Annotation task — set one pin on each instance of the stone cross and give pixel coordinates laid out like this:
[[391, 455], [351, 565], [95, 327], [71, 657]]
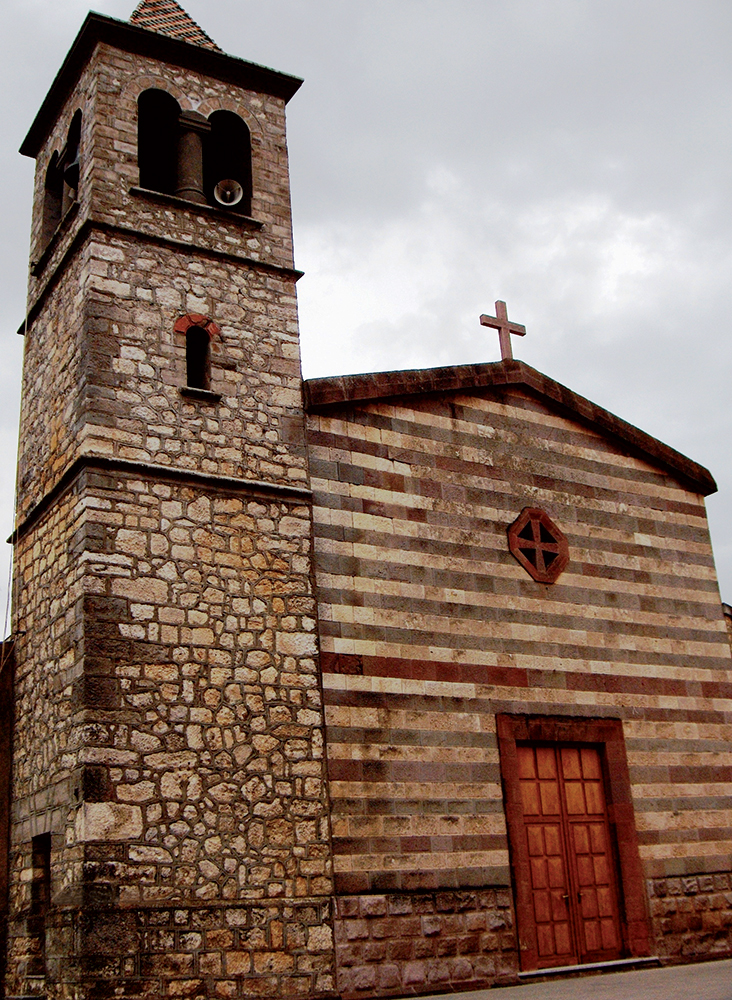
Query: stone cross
[[501, 323]]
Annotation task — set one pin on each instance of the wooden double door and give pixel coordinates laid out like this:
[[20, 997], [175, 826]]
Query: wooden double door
[[571, 865]]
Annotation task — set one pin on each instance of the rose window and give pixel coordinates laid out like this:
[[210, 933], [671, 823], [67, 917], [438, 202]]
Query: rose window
[[538, 544]]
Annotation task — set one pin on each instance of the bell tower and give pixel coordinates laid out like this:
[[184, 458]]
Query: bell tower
[[169, 825]]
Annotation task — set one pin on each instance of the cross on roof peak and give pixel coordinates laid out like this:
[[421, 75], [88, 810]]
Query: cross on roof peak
[[169, 18], [505, 328]]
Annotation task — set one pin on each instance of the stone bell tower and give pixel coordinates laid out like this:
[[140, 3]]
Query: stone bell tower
[[169, 825]]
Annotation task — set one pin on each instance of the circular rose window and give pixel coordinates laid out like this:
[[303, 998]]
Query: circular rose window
[[538, 544]]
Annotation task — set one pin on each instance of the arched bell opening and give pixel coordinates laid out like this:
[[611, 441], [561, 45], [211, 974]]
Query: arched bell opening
[[228, 163], [157, 140], [184, 154], [71, 165], [61, 184], [52, 198]]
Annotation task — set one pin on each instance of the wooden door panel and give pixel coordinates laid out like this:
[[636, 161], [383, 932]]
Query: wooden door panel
[[595, 798], [604, 897], [549, 798], [553, 840], [591, 764], [597, 837], [554, 936], [531, 798], [575, 798], [526, 762], [546, 763], [585, 871], [589, 905], [610, 940], [571, 767]]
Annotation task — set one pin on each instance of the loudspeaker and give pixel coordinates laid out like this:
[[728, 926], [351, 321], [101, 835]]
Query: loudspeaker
[[228, 192]]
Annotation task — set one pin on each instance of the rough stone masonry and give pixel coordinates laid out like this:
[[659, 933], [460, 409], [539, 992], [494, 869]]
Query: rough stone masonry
[[169, 752]]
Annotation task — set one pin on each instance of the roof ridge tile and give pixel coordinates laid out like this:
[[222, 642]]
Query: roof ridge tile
[[168, 18]]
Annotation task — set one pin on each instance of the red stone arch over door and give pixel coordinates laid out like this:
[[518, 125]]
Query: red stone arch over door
[[576, 869]]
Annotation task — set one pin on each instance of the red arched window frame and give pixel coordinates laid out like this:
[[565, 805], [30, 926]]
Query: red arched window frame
[[198, 357]]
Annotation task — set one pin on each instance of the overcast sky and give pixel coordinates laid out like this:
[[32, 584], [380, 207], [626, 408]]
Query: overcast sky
[[573, 157]]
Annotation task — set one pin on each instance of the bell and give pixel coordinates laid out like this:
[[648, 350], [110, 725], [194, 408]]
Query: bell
[[71, 173], [228, 192]]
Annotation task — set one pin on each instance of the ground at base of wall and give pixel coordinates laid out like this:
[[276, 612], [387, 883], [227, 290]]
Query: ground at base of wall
[[709, 980]]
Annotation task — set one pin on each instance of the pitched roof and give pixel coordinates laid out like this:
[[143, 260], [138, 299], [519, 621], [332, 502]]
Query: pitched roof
[[349, 390], [169, 18]]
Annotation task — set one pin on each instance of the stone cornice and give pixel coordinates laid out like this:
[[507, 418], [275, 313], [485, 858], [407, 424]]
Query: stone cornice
[[159, 473], [92, 225]]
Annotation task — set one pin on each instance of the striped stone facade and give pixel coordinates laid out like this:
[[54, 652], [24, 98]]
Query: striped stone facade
[[430, 629]]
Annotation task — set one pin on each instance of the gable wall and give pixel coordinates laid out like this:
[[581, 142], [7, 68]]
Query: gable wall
[[429, 628]]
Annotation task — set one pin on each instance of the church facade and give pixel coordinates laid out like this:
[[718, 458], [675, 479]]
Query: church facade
[[369, 686]]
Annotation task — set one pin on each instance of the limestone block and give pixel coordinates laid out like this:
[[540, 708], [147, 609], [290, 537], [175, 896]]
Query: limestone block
[[296, 644], [142, 591], [108, 821]]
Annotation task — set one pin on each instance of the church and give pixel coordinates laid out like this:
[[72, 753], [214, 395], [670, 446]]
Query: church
[[381, 685]]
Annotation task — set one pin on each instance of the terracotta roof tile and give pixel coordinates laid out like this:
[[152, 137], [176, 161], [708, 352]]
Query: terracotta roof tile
[[169, 18]]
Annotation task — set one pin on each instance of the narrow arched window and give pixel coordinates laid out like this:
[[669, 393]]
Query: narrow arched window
[[157, 140], [197, 358], [228, 163]]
